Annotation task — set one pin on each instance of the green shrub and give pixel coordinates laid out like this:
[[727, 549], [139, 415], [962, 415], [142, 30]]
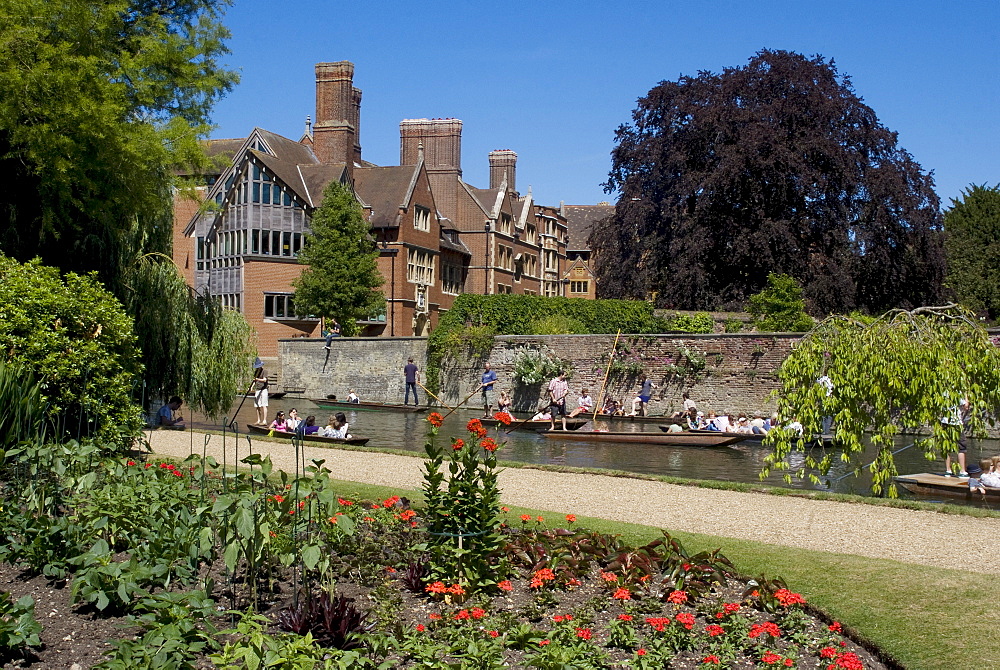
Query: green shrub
[[532, 368], [780, 307], [557, 324], [76, 339], [701, 322], [18, 627], [733, 325], [22, 412]]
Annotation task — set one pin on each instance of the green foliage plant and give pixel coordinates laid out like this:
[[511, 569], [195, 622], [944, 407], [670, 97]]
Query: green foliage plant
[[475, 340], [462, 509], [733, 325], [18, 627], [532, 368], [22, 411], [77, 341], [904, 371], [700, 322], [780, 307], [557, 324], [516, 314], [972, 243], [342, 279]]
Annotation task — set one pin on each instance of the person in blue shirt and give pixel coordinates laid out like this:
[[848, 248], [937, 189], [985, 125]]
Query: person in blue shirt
[[166, 416], [487, 382]]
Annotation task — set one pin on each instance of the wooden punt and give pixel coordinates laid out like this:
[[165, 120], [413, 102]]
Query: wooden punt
[[263, 430], [639, 419], [685, 439], [927, 484], [365, 406], [749, 438], [571, 424]]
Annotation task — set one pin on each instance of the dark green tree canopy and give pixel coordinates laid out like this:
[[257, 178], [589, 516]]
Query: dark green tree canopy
[[776, 166], [972, 240], [342, 281]]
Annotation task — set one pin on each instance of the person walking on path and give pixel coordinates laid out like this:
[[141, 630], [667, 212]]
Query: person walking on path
[[487, 381], [260, 395], [558, 390], [412, 377]]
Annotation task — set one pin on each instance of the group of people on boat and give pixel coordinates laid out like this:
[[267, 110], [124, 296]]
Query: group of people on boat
[[337, 425]]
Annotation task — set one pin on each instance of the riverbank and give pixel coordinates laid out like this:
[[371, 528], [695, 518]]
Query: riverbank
[[908, 536]]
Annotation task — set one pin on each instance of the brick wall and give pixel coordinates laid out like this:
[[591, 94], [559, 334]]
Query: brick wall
[[373, 367], [738, 374]]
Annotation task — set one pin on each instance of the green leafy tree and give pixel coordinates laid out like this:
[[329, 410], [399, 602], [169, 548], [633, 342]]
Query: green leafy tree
[[972, 242], [100, 104], [780, 307], [342, 281], [775, 166], [903, 371], [77, 341]]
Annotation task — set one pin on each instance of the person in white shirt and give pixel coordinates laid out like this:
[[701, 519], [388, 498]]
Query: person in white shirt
[[584, 404]]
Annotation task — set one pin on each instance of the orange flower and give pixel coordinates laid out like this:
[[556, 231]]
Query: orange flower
[[489, 444], [456, 590], [458, 444], [474, 426], [505, 585], [502, 417], [570, 518], [622, 594], [436, 587], [435, 419], [525, 518], [677, 597]]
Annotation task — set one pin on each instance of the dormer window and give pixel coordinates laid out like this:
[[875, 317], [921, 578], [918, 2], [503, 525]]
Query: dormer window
[[421, 218]]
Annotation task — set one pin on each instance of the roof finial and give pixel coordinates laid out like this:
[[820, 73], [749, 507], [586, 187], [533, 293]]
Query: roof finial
[[420, 152], [309, 125]]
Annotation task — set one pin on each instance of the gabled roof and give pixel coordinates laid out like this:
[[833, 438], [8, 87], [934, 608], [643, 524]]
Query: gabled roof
[[451, 238], [580, 220], [490, 199], [316, 177], [386, 190]]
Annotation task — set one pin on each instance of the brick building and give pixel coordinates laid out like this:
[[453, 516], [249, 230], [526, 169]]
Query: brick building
[[580, 220], [437, 236]]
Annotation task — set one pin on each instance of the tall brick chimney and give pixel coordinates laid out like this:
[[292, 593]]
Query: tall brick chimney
[[503, 162], [442, 145], [338, 112]]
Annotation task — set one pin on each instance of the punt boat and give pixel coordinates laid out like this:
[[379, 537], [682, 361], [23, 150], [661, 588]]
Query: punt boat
[[264, 430], [365, 406], [684, 439], [928, 484]]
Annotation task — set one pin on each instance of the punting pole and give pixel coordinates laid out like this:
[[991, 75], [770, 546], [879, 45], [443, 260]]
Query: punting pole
[[600, 396]]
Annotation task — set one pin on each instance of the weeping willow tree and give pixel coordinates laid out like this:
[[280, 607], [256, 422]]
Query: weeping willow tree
[[902, 372], [191, 346]]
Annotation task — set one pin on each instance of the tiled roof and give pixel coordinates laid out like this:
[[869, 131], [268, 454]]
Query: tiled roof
[[446, 241], [317, 177], [385, 190], [580, 219]]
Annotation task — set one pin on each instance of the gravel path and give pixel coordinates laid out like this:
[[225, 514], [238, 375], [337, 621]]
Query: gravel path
[[925, 538]]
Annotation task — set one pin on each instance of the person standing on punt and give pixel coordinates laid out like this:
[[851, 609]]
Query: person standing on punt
[[260, 395], [412, 375], [487, 381], [558, 390]]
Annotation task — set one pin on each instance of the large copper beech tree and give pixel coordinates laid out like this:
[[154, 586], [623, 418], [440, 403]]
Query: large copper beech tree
[[776, 166]]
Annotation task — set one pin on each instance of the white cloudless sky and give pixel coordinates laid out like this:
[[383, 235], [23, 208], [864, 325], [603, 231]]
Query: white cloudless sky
[[552, 80]]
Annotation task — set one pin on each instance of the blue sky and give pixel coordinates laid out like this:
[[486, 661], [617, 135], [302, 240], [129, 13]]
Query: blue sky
[[552, 80]]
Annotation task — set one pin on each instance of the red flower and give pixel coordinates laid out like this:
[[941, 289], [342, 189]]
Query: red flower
[[505, 509], [481, 433], [505, 585], [458, 444], [474, 426], [789, 662], [343, 502], [622, 594], [570, 518], [583, 633], [686, 619], [714, 630], [711, 659], [541, 520], [502, 417], [456, 590], [640, 652], [421, 628], [406, 515], [478, 612], [130, 463], [461, 615], [178, 473], [543, 643], [494, 633], [848, 661], [609, 577], [835, 627], [435, 419], [770, 658], [787, 598], [525, 518], [731, 608], [658, 623], [434, 616], [768, 627], [391, 502], [489, 444], [624, 617], [333, 519], [436, 587], [827, 652], [677, 597]]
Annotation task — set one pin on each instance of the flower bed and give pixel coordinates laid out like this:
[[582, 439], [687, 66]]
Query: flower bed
[[343, 583]]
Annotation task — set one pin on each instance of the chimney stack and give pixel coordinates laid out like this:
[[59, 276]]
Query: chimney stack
[[503, 162], [338, 112], [441, 140]]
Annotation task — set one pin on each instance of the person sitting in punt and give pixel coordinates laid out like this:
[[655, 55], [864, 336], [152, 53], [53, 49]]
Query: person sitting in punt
[[991, 472], [584, 404], [293, 420], [505, 403], [612, 407], [310, 428], [688, 404], [353, 397], [711, 422], [544, 415], [279, 423], [795, 426], [742, 426], [975, 479], [757, 424], [695, 419], [338, 427]]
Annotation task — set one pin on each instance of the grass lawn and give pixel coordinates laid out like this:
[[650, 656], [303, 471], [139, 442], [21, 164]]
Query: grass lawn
[[925, 617]]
